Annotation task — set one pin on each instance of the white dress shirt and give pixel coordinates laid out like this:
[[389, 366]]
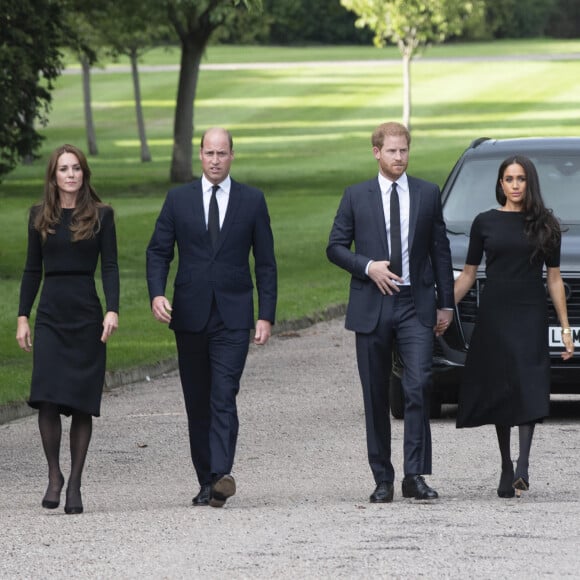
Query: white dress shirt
[[222, 196], [404, 206]]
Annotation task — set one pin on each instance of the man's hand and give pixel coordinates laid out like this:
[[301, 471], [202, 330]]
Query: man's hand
[[263, 332], [161, 309], [380, 274], [444, 318]]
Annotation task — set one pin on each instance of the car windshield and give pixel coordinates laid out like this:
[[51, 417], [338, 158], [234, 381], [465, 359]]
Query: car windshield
[[474, 188]]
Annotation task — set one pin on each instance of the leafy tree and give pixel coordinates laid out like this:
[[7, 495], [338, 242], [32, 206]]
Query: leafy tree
[[565, 20], [30, 61], [194, 21], [295, 22], [515, 19], [413, 25], [85, 43], [130, 28]]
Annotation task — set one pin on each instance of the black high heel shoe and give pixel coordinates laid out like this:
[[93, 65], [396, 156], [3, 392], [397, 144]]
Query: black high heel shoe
[[52, 504], [505, 488], [521, 484], [74, 505]]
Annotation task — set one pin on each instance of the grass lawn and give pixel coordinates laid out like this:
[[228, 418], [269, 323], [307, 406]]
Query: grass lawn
[[301, 134]]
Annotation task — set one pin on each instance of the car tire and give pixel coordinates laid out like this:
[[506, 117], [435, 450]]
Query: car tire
[[396, 397]]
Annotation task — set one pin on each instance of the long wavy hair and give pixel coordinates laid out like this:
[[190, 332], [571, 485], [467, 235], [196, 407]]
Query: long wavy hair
[[541, 226], [85, 222]]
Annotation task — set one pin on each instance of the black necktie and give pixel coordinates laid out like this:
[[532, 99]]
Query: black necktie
[[396, 265], [213, 218]]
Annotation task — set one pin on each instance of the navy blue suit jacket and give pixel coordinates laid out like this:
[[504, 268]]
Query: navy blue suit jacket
[[361, 219], [203, 273]]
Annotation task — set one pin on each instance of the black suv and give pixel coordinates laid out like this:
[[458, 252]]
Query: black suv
[[469, 190]]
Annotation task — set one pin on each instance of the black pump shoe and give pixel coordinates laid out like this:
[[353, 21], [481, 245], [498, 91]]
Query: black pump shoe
[[519, 485], [506, 488], [52, 504], [73, 508]]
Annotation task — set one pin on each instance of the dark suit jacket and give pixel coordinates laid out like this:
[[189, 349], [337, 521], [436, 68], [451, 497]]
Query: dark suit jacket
[[361, 219], [203, 273]]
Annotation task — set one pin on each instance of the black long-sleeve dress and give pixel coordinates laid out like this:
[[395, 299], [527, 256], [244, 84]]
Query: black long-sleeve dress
[[69, 358], [507, 373]]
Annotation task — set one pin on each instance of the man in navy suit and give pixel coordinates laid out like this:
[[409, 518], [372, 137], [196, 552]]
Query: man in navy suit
[[401, 290], [215, 222]]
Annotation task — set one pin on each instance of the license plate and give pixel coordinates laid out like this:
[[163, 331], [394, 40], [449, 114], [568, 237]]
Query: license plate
[[555, 336]]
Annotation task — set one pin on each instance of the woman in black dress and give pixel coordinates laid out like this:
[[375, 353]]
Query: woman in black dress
[[507, 373], [67, 233]]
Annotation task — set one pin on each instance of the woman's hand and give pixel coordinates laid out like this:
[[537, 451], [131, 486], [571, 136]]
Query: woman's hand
[[569, 345], [23, 334], [110, 324]]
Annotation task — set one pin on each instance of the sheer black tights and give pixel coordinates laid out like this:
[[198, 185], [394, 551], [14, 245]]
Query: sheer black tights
[[526, 434], [50, 426], [80, 436]]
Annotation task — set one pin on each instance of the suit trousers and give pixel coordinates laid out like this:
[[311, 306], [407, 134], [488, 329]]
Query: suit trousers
[[398, 322], [211, 363]]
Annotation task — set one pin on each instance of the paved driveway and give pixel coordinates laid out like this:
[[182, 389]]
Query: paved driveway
[[302, 506]]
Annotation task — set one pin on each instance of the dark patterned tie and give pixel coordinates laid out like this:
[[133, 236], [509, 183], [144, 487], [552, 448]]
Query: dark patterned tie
[[213, 218], [396, 265]]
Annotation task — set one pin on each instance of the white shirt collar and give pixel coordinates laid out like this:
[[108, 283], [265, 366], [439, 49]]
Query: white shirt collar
[[385, 184], [206, 184]]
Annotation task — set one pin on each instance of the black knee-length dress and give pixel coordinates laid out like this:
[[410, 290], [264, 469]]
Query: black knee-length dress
[[68, 356], [507, 373]]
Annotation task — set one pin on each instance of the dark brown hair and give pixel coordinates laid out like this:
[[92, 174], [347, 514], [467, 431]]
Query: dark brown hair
[[541, 227], [85, 221]]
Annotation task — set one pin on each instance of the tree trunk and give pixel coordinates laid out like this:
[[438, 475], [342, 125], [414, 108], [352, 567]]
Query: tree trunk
[[407, 88], [89, 125], [181, 162], [145, 153]]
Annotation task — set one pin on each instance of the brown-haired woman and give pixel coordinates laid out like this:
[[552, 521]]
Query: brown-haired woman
[[67, 233], [507, 373]]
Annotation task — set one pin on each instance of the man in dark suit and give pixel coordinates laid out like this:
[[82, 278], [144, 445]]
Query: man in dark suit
[[215, 222], [400, 258]]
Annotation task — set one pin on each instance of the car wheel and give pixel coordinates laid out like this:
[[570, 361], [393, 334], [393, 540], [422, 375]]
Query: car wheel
[[396, 397]]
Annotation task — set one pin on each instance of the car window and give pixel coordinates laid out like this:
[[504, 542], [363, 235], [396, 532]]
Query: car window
[[473, 190]]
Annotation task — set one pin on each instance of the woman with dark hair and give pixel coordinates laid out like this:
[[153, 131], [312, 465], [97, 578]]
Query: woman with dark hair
[[507, 373], [67, 233]]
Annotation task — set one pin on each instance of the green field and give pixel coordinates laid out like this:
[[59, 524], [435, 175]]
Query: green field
[[301, 133]]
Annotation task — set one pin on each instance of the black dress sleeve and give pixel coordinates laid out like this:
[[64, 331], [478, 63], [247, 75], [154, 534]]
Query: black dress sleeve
[[32, 275], [109, 265], [475, 251]]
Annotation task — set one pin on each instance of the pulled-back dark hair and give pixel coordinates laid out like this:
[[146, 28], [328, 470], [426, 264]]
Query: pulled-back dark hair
[[541, 227]]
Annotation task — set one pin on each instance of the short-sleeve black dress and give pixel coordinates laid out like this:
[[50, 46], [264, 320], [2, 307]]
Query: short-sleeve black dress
[[69, 358], [507, 373]]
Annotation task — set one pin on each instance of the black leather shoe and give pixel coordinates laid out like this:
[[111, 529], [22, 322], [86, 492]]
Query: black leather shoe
[[383, 493], [414, 486], [222, 488], [202, 498]]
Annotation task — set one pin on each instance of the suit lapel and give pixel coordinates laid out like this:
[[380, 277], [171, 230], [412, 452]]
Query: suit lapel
[[379, 213], [198, 211], [414, 202], [233, 206]]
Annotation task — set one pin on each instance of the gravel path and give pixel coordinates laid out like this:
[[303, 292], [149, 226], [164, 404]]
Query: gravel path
[[302, 508]]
